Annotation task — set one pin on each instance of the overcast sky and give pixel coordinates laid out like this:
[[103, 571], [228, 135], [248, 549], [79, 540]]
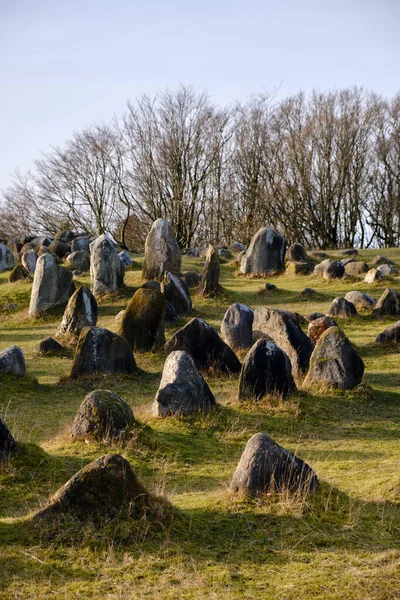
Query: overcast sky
[[65, 64]]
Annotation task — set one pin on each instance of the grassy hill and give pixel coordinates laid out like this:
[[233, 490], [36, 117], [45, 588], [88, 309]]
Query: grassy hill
[[341, 542]]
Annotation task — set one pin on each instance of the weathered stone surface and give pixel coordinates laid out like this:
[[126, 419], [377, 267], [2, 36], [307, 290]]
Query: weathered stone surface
[[265, 254], [106, 270], [317, 327], [142, 324], [182, 390], [102, 351], [308, 293], [46, 250], [266, 370], [266, 467], [79, 261], [236, 326], [340, 307], [372, 276], [390, 335], [299, 268], [360, 300], [7, 442], [18, 273], [162, 252], [50, 347], [177, 293], [152, 285], [125, 259], [381, 260], [29, 260], [52, 285], [80, 243], [283, 328], [388, 304], [59, 248], [191, 278], [170, 313], [356, 268], [7, 258], [204, 345], [332, 269], [270, 288], [102, 416], [210, 280], [335, 362], [103, 488], [296, 252], [14, 245], [12, 361], [387, 270], [81, 311]]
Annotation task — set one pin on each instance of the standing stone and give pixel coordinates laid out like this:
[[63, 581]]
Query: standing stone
[[177, 293], [29, 260], [81, 311], [79, 261], [283, 329], [204, 345], [162, 252], [102, 351], [266, 370], [390, 335], [182, 390], [360, 300], [236, 326], [372, 276], [335, 362], [210, 280], [7, 442], [265, 254], [266, 467], [106, 270], [388, 304], [7, 259], [52, 286], [340, 307], [142, 324], [12, 361], [316, 327], [102, 416], [80, 243]]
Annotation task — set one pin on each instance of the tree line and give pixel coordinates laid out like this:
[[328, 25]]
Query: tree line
[[323, 169]]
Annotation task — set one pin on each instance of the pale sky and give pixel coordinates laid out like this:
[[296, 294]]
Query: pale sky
[[66, 64]]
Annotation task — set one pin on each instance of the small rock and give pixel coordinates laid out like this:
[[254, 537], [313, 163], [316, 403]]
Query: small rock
[[125, 259], [50, 347], [381, 260], [7, 443], [296, 252], [19, 273], [387, 270], [12, 361], [356, 269], [299, 268], [308, 293]]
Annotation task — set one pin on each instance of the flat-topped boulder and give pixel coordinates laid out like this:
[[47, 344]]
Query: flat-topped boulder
[[102, 416], [237, 326], [102, 351], [52, 286], [162, 252], [265, 254], [356, 268], [106, 270], [299, 268], [81, 311]]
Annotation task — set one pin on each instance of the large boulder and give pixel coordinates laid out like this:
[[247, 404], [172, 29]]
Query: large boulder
[[265, 254], [106, 270], [143, 321], [356, 268], [29, 260], [52, 286], [162, 252], [204, 345], [388, 304], [282, 327], [340, 307], [79, 261], [373, 276], [237, 325], [177, 293], [19, 273], [102, 416], [182, 389], [7, 258], [210, 280], [12, 361], [102, 351], [81, 311], [360, 300], [390, 335], [316, 327], [335, 362], [265, 467], [7, 442], [105, 487], [266, 370]]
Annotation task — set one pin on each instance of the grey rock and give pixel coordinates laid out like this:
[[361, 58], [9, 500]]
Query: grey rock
[[102, 416], [340, 307], [372, 276], [81, 311], [381, 260], [106, 270], [52, 286], [177, 293], [238, 247], [265, 254], [80, 243], [12, 361], [350, 252], [360, 300], [7, 258], [7, 443], [79, 261], [191, 278], [299, 268], [29, 260], [162, 252], [296, 252], [210, 280], [308, 293], [102, 351], [388, 304], [236, 326], [390, 335], [316, 327], [59, 248], [19, 273], [356, 269], [313, 316], [125, 259], [65, 236], [387, 270], [50, 347]]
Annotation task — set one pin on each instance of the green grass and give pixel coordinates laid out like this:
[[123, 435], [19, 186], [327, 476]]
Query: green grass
[[341, 542]]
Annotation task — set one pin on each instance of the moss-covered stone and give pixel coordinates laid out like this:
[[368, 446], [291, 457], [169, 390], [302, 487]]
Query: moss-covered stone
[[143, 322], [103, 415], [19, 273]]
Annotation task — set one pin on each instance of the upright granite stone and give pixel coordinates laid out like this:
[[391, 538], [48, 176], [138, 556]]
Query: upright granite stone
[[12, 361], [102, 351], [265, 254], [162, 252], [266, 370], [283, 328], [81, 311], [7, 258], [265, 467], [7, 442], [237, 326], [210, 280], [177, 293], [106, 270], [182, 390], [102, 416], [335, 362], [52, 285], [388, 304], [204, 345], [142, 324], [29, 260]]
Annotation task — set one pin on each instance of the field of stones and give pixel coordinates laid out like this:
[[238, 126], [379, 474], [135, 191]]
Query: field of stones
[[215, 425]]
